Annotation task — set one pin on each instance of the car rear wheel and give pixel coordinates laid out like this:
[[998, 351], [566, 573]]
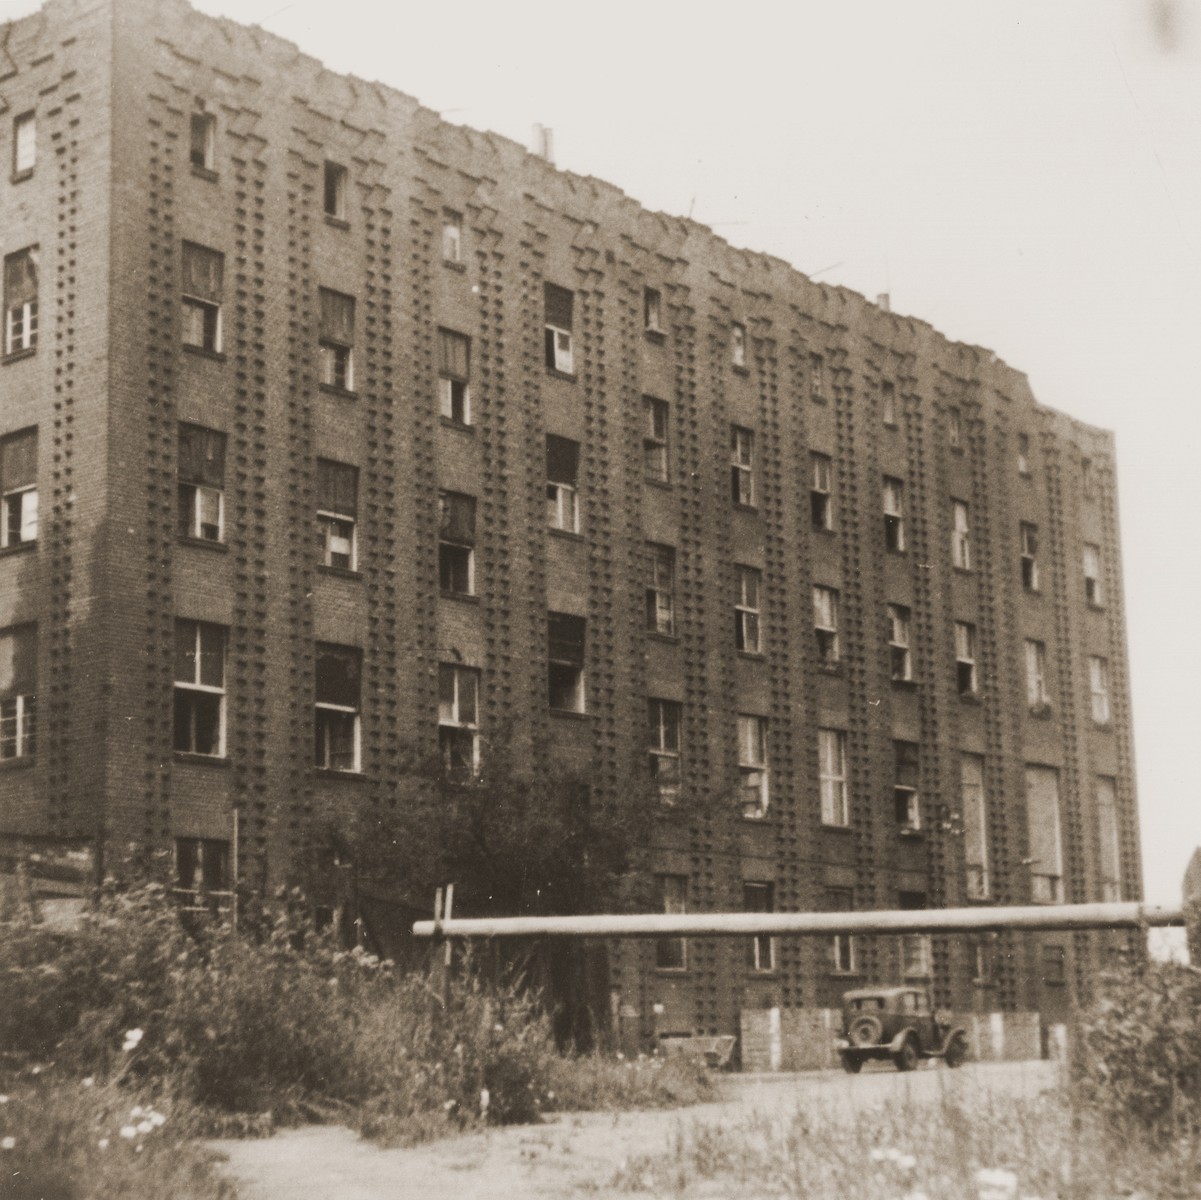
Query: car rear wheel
[[906, 1056], [851, 1063], [956, 1050], [865, 1030]]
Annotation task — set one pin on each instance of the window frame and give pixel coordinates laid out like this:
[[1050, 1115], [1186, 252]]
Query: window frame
[[1109, 861], [954, 419], [825, 624], [961, 535], [661, 589], [1046, 887], [563, 496], [748, 614], [1037, 695], [455, 557], [821, 491], [652, 310], [906, 787], [202, 141], [19, 711], [656, 455], [207, 310], [1028, 539], [759, 897], [888, 403], [753, 760], [843, 946], [559, 340], [335, 187], [1094, 588], [194, 688], [664, 724], [1023, 454], [817, 378], [900, 643], [329, 518], [742, 466], [966, 656], [1101, 705], [576, 664], [191, 494], [454, 386], [973, 794], [21, 315], [893, 505], [671, 953], [25, 156], [452, 237], [328, 711], [452, 718], [335, 355], [738, 344], [19, 502], [833, 786]]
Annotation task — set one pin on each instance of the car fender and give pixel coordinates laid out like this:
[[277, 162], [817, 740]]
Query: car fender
[[894, 1047], [946, 1041]]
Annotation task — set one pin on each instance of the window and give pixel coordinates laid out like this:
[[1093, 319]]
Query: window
[[458, 719], [761, 949], [965, 658], [654, 439], [1036, 674], [558, 303], [842, 945], [832, 774], [200, 311], [454, 375], [894, 513], [1094, 591], [752, 766], [201, 473], [456, 544], [199, 688], [25, 145], [334, 190], [652, 310], [916, 957], [660, 589], [21, 301], [905, 795], [1098, 686], [337, 514], [1054, 964], [335, 344], [18, 692], [562, 483], [975, 825], [663, 720], [1023, 454], [825, 624], [980, 949], [821, 508], [817, 381], [19, 488], [339, 689], [900, 658], [746, 610], [1088, 479], [961, 537], [671, 954], [954, 427], [888, 403], [202, 876], [1029, 536], [565, 658], [738, 344], [742, 466], [203, 141], [1046, 848], [1110, 863], [452, 236]]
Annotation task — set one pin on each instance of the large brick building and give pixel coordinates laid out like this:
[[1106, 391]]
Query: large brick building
[[570, 463]]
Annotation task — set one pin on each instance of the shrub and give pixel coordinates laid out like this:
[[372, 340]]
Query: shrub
[[1137, 1051]]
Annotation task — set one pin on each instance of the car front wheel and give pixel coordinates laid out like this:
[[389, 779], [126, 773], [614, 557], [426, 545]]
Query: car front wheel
[[906, 1056], [851, 1063]]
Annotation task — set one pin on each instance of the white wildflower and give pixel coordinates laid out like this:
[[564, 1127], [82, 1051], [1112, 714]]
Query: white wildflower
[[145, 1127], [136, 1111], [88, 1081], [132, 1038], [906, 1162], [8, 1143], [485, 1100], [3, 1099], [128, 1132], [103, 1143], [994, 1183], [157, 1119], [877, 1154]]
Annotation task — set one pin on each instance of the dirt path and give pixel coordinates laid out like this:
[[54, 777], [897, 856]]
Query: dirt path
[[571, 1153]]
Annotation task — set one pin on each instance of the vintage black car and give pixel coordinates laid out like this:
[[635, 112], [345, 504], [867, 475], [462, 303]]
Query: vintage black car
[[896, 1023]]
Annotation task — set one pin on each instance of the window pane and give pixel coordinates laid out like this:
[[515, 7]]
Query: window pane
[[338, 671]]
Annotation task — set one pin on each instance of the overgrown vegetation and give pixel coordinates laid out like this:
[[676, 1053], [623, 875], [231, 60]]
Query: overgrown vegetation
[[229, 1031]]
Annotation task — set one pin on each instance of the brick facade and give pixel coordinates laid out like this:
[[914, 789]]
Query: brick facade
[[119, 88]]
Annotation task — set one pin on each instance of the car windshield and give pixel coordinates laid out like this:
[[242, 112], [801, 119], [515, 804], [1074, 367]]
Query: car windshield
[[867, 1003]]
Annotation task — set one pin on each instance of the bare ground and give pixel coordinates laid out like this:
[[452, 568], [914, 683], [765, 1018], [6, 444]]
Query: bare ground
[[571, 1153]]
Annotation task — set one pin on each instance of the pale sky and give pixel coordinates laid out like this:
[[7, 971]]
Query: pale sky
[[1023, 174]]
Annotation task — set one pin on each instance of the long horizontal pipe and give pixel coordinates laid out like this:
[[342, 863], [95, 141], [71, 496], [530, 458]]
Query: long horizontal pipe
[[926, 920]]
